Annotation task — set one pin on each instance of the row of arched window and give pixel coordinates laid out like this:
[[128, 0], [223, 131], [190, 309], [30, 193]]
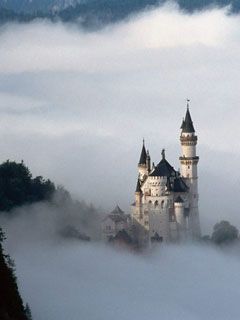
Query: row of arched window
[[156, 203]]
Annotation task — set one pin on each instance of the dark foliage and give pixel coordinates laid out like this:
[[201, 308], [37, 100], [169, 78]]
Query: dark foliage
[[28, 312], [70, 232], [17, 187], [95, 13], [224, 233], [11, 305]]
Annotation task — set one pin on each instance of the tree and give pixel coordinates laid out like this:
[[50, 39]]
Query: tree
[[11, 305], [28, 312], [17, 187], [224, 233]]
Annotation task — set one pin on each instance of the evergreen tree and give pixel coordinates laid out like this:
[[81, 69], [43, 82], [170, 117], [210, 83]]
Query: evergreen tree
[[224, 233], [11, 305], [28, 312], [17, 187]]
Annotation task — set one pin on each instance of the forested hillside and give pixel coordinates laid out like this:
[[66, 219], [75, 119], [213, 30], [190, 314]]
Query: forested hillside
[[95, 13], [18, 187], [11, 304]]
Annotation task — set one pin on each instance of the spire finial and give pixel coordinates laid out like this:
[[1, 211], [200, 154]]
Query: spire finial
[[188, 100], [163, 153], [143, 141]]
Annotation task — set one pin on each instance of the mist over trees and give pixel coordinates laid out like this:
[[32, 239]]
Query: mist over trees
[[19, 189]]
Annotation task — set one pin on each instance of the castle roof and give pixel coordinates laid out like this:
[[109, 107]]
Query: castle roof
[[138, 187], [168, 185], [187, 124], [122, 236], [179, 185], [143, 156], [117, 210], [179, 200], [163, 169]]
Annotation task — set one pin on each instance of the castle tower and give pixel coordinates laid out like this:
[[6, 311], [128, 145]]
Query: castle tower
[[143, 163], [189, 164], [138, 195]]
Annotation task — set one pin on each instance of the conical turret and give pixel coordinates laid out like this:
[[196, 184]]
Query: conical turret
[[144, 163], [187, 124], [138, 194], [143, 156]]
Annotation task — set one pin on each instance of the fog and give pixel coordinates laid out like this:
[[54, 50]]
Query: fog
[[63, 279]]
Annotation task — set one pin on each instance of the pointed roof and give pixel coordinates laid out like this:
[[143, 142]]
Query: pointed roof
[[163, 169], [143, 156], [117, 210], [179, 185], [168, 185], [156, 237], [138, 187], [187, 124], [179, 200], [122, 235]]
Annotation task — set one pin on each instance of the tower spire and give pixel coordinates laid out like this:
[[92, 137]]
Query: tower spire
[[143, 156], [163, 154], [187, 124], [138, 187]]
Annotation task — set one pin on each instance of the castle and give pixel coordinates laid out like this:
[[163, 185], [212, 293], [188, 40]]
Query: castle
[[166, 200]]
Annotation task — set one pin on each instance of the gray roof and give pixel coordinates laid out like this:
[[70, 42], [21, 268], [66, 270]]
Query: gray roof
[[179, 185], [138, 187], [168, 185], [179, 200], [117, 210], [163, 169], [187, 124], [143, 156]]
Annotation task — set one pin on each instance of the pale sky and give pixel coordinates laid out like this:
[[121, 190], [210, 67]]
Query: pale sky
[[76, 105]]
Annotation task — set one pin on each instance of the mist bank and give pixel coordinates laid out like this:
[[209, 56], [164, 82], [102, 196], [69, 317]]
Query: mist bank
[[64, 278], [72, 281]]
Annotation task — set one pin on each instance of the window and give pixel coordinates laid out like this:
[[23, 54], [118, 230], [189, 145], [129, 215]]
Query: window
[[162, 204], [156, 203]]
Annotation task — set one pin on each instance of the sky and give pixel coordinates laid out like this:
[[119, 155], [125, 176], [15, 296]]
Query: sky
[[75, 105]]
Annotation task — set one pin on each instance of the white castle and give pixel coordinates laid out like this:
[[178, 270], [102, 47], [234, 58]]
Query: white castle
[[166, 201]]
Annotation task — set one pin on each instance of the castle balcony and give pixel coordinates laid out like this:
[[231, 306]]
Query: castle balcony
[[188, 138], [189, 160]]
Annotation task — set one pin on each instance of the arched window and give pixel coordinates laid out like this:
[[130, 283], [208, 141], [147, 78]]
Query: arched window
[[162, 203], [156, 203]]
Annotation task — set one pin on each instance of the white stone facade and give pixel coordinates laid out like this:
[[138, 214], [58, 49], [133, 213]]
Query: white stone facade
[[114, 222], [166, 201]]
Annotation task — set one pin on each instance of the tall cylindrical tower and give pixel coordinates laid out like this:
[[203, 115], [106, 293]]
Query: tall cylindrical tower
[[189, 165]]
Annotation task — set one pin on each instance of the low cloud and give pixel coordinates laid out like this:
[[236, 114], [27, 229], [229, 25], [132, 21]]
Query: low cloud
[[74, 280]]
